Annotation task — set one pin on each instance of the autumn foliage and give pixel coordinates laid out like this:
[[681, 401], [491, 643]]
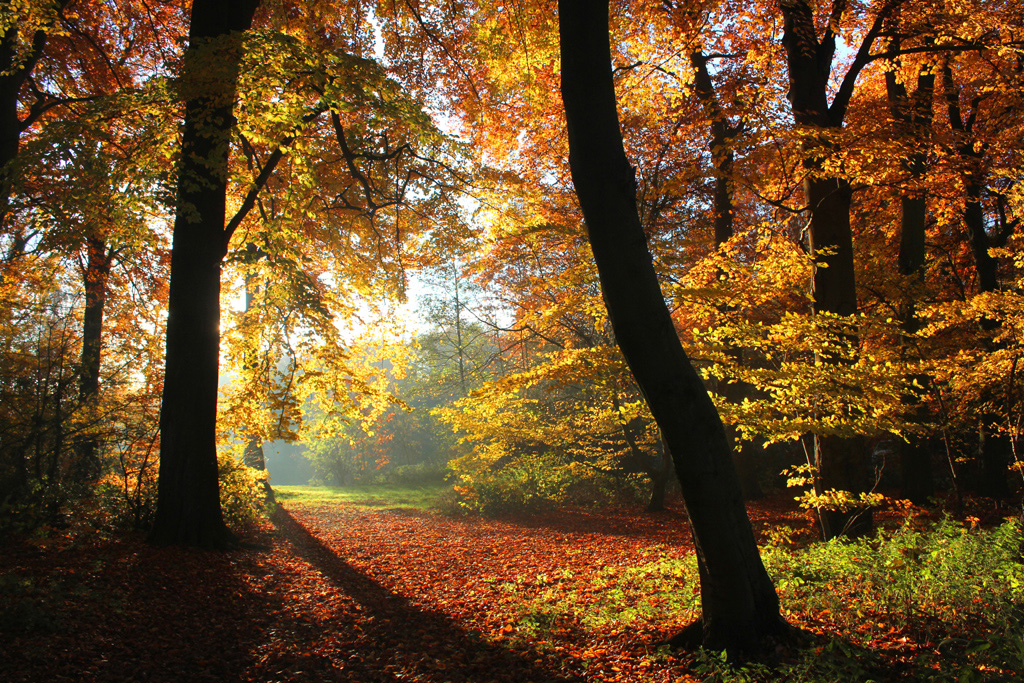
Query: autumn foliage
[[402, 287]]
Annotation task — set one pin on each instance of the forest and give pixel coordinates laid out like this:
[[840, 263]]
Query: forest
[[546, 340]]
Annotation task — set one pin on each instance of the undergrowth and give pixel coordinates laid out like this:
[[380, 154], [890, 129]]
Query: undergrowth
[[935, 602]]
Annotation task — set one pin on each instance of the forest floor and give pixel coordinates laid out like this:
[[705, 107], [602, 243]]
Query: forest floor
[[330, 591]]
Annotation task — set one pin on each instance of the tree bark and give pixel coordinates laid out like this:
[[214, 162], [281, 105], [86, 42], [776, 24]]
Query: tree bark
[[659, 479], [739, 604], [993, 447], [188, 498], [720, 147]]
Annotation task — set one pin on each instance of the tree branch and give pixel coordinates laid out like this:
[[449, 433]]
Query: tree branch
[[267, 171]]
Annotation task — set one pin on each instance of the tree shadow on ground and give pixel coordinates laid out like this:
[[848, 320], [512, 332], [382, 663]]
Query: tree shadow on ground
[[396, 638], [123, 610]]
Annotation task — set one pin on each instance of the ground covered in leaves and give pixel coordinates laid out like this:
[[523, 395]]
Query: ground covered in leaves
[[342, 592]]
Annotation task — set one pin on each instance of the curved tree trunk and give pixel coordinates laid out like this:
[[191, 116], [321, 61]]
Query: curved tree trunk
[[739, 603], [188, 498]]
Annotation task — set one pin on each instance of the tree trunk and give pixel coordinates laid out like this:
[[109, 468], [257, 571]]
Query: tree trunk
[[739, 603], [913, 114], [659, 483], [188, 498], [841, 463], [993, 447], [918, 481], [720, 148], [10, 124], [659, 479], [94, 281], [253, 455]]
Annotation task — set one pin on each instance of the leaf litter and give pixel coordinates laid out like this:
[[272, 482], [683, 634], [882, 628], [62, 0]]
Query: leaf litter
[[348, 593]]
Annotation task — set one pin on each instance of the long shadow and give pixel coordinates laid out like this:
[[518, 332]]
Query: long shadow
[[121, 611], [399, 639]]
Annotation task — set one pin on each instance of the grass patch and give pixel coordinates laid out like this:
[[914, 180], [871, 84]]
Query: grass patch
[[377, 497]]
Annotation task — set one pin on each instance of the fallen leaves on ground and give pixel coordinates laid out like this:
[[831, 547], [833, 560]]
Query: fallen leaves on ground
[[341, 593]]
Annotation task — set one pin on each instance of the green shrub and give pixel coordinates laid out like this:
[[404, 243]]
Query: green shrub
[[939, 602], [129, 502], [39, 504], [933, 579], [533, 482], [243, 491]]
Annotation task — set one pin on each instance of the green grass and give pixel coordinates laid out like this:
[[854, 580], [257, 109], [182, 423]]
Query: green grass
[[379, 497]]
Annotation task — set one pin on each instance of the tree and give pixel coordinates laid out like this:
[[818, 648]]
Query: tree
[[19, 54], [840, 462], [739, 604], [912, 114], [77, 188], [456, 340], [188, 503]]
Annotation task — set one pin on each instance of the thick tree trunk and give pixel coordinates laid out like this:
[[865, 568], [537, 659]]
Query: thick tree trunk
[[188, 499], [94, 281], [739, 603]]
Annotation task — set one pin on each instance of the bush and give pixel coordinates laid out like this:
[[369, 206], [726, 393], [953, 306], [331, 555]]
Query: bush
[[418, 474], [26, 607], [244, 499], [533, 482], [930, 579], [129, 501], [40, 505]]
